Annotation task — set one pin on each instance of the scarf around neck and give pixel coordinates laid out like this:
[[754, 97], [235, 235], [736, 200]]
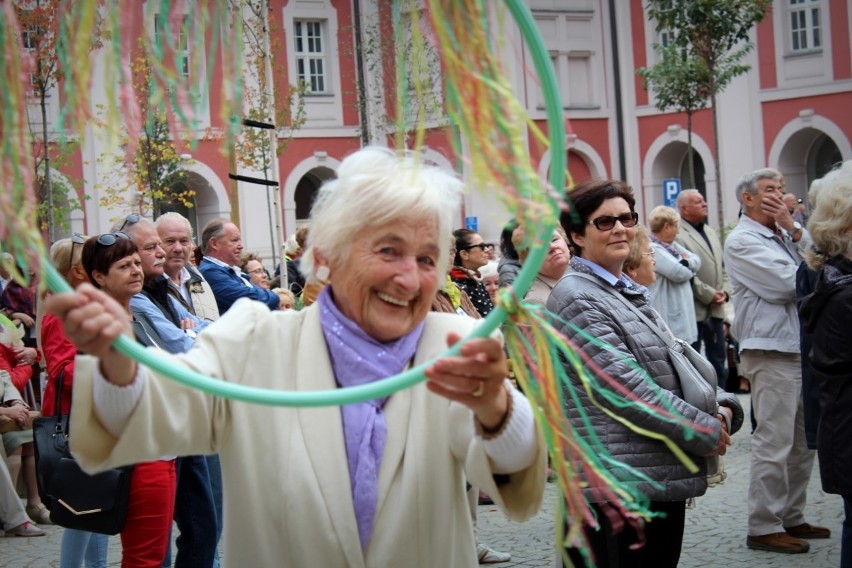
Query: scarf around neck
[[672, 250], [357, 359]]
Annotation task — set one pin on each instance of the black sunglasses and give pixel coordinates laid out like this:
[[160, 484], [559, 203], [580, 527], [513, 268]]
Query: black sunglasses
[[76, 239], [130, 220], [109, 239], [483, 246], [607, 222]]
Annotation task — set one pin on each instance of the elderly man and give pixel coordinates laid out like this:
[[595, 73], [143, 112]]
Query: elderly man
[[170, 326], [161, 321], [186, 284], [189, 288], [710, 288], [762, 255], [222, 245], [796, 207]]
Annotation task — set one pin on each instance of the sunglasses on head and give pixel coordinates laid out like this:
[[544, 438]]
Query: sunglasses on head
[[130, 220], [109, 239], [607, 222], [76, 239]]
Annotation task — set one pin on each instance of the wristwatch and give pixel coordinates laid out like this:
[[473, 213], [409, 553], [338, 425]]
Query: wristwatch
[[797, 228]]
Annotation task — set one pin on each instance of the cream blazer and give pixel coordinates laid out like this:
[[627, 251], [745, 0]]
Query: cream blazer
[[287, 493], [711, 276]]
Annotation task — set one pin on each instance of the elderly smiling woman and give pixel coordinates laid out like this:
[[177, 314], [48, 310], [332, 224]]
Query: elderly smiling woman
[[380, 483]]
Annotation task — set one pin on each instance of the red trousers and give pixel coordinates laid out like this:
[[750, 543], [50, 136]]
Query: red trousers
[[149, 515]]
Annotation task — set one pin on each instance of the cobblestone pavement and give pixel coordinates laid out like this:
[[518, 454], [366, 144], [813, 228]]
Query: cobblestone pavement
[[715, 529]]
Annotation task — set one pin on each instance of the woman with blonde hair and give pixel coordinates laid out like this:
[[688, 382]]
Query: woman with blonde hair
[[552, 268], [826, 314], [671, 292], [640, 263], [59, 354]]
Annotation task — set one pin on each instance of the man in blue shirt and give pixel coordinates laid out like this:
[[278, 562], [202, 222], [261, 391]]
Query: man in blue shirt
[[222, 245], [168, 325]]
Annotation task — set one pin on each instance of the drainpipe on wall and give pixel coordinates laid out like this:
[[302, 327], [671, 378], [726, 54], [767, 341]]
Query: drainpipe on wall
[[359, 69], [619, 115]]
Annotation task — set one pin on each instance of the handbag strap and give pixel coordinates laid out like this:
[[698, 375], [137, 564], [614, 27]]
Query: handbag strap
[[668, 339], [57, 395]]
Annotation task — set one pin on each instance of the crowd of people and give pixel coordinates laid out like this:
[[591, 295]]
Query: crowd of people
[[381, 282]]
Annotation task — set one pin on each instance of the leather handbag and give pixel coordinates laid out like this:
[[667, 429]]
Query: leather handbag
[[76, 500], [696, 375]]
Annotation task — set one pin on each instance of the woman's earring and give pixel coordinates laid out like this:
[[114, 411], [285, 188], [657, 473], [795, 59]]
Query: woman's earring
[[323, 272]]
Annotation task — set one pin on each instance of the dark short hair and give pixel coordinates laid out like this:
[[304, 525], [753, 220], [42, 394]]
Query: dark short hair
[[100, 257], [585, 200]]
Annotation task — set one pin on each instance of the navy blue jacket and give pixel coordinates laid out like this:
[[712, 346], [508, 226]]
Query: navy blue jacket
[[228, 287]]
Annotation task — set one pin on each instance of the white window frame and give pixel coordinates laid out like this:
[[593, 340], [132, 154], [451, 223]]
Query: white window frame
[[805, 32], [309, 41], [323, 110]]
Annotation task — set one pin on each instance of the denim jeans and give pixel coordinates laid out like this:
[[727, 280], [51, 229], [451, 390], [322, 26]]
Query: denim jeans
[[78, 546], [195, 515]]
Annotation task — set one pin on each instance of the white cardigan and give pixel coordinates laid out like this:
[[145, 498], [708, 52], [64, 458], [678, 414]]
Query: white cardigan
[[287, 493]]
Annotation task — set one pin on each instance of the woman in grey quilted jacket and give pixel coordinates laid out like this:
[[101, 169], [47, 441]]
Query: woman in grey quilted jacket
[[600, 226]]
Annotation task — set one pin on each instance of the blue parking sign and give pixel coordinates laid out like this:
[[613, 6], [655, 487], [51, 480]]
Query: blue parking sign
[[671, 188], [471, 224]]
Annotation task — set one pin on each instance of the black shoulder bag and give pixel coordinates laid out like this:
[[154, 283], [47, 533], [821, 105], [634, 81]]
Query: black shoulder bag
[[75, 499]]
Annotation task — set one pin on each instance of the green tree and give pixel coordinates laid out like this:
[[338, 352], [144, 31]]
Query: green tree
[[715, 32], [154, 174], [678, 82]]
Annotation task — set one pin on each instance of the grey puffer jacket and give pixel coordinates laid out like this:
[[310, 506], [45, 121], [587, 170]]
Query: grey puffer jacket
[[586, 306]]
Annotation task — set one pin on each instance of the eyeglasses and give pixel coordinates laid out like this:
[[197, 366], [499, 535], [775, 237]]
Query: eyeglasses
[[256, 271], [76, 239], [483, 246], [109, 239], [607, 222], [130, 220], [650, 253]]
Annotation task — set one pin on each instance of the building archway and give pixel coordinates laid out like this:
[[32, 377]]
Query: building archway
[[667, 158], [805, 149], [211, 199], [583, 162], [321, 167], [306, 192]]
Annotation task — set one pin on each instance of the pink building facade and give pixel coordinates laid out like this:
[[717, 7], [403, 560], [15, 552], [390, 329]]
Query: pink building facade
[[790, 111]]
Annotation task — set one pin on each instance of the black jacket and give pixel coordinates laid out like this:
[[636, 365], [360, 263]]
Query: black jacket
[[826, 313]]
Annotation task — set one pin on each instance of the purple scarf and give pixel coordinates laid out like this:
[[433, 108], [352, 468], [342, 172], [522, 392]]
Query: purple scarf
[[357, 359]]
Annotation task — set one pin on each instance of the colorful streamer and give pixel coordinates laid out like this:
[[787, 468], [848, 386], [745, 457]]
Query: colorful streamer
[[481, 106]]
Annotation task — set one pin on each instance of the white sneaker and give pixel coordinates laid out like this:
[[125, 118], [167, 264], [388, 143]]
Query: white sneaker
[[488, 555]]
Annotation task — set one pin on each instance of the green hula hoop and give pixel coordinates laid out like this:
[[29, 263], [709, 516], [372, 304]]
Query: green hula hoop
[[384, 387]]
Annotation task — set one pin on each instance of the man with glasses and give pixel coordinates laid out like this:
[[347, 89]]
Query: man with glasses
[[174, 330], [222, 246], [710, 287]]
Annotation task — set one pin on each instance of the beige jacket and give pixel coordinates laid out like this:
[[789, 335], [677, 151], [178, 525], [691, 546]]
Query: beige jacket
[[711, 275], [287, 494]]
